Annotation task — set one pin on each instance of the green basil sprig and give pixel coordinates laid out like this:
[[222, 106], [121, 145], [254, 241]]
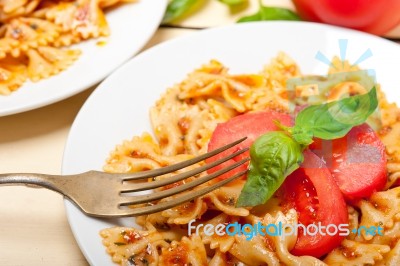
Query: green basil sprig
[[233, 2], [177, 8], [277, 154], [335, 119], [270, 13]]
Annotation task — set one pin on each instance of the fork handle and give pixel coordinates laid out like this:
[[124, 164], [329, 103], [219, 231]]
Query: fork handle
[[51, 182]]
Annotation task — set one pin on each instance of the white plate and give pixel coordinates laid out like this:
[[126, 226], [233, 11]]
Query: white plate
[[118, 108], [132, 25]]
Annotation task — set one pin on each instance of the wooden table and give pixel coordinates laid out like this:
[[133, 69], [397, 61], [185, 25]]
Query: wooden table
[[33, 225]]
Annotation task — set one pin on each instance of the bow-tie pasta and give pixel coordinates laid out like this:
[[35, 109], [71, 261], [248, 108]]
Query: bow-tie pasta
[[37, 34]]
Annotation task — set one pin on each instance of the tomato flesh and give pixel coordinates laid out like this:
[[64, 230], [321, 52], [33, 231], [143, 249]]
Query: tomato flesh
[[372, 16], [357, 161], [250, 125], [313, 192]]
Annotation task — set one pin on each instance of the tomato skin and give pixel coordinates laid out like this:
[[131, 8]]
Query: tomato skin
[[376, 17], [306, 10], [313, 192], [250, 125], [357, 161]]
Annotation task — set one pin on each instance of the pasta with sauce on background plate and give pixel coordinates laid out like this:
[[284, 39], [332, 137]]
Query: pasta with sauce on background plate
[[36, 35]]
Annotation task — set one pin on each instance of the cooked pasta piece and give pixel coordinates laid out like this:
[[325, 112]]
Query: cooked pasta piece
[[188, 251], [354, 224], [253, 252], [392, 258], [140, 154], [338, 66], [14, 8], [223, 259], [280, 69], [30, 33], [284, 243], [356, 253], [172, 123], [224, 199], [390, 135], [242, 92], [382, 209], [6, 46], [83, 18], [186, 212], [221, 243], [110, 3], [66, 39], [129, 246], [13, 74], [9, 6], [47, 61]]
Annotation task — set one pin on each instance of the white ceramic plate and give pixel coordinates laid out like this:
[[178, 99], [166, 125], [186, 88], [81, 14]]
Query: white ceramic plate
[[132, 25], [118, 109]]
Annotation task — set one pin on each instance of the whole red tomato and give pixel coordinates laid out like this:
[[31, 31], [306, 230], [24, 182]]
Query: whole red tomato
[[373, 16]]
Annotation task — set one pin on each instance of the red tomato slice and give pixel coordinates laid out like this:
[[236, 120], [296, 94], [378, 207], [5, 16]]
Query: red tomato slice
[[356, 161], [313, 192], [376, 17], [250, 125]]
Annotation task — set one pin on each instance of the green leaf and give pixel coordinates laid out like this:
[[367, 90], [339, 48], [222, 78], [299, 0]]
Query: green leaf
[[335, 119], [270, 13], [233, 2], [255, 17], [303, 136], [299, 134], [274, 156], [177, 8]]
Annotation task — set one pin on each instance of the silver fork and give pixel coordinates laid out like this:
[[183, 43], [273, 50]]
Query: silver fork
[[102, 194]]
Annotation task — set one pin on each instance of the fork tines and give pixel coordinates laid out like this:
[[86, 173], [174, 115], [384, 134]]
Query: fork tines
[[182, 199], [175, 167], [150, 198]]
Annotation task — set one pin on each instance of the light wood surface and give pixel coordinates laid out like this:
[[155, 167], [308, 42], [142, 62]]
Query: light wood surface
[[33, 225]]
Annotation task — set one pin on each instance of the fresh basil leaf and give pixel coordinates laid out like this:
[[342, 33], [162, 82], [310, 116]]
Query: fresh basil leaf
[[335, 119], [302, 136], [177, 8], [270, 13], [233, 2], [254, 17], [274, 156], [299, 134]]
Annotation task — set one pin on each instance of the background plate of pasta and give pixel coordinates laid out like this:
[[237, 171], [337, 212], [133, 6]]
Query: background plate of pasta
[[50, 49], [172, 102]]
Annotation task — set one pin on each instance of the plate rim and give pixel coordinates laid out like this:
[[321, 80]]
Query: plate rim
[[91, 82], [171, 42]]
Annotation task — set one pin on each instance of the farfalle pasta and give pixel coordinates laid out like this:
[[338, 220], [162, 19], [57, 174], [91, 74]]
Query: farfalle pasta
[[38, 33], [183, 120]]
